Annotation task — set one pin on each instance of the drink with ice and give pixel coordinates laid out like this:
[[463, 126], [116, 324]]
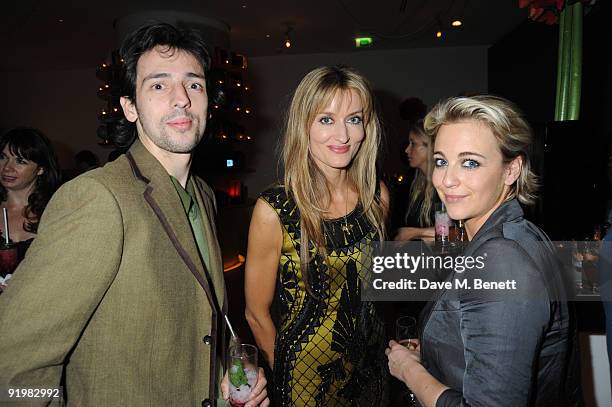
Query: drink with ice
[[240, 395], [242, 373]]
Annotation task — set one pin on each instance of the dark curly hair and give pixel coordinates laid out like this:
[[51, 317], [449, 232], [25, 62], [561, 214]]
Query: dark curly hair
[[30, 144], [139, 42]]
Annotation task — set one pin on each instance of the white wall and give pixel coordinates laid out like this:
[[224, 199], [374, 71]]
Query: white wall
[[430, 74], [595, 370]]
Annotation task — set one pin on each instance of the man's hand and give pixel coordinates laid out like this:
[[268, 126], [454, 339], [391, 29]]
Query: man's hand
[[259, 393]]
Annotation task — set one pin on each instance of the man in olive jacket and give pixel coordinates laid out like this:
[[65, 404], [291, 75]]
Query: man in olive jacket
[[121, 297]]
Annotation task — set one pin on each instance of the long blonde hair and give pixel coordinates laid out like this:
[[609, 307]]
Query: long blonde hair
[[303, 178], [421, 189]]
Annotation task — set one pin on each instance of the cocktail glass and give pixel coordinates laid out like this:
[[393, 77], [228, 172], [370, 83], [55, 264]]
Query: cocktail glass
[[242, 366], [8, 258]]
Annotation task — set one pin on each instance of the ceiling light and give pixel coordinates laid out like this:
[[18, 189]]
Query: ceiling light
[[456, 23], [288, 37], [439, 27]]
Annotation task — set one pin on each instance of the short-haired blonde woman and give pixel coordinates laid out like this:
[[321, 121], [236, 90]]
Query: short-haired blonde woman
[[308, 245], [478, 347]]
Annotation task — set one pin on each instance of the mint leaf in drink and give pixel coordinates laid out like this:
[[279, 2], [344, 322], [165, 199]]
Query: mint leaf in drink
[[237, 375]]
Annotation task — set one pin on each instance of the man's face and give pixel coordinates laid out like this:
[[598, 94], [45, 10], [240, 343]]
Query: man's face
[[171, 101]]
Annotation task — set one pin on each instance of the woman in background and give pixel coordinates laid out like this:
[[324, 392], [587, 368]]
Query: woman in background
[[310, 240], [29, 175], [492, 348], [419, 217]]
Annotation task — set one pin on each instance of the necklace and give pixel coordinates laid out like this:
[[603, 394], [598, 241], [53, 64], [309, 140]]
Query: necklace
[[346, 228]]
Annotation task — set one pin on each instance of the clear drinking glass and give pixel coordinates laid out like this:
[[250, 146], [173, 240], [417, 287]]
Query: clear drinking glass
[[590, 272], [407, 334], [242, 366], [442, 224], [577, 259], [407, 331]]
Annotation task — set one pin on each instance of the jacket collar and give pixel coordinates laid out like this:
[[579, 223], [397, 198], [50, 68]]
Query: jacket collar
[[145, 166], [507, 212], [161, 195]]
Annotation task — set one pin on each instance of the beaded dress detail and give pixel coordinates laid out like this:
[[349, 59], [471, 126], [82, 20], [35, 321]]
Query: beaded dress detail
[[329, 348]]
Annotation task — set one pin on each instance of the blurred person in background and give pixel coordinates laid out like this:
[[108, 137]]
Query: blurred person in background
[[29, 175], [86, 160], [419, 218]]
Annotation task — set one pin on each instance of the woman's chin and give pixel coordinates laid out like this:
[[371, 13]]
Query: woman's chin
[[455, 214]]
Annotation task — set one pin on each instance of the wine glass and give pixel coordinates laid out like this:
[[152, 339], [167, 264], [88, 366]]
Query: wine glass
[[407, 334]]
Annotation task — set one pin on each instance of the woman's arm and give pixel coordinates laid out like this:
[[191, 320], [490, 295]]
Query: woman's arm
[[410, 233], [405, 365], [385, 198], [503, 330], [263, 255]]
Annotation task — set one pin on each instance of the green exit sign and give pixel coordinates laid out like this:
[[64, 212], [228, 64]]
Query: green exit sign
[[361, 42]]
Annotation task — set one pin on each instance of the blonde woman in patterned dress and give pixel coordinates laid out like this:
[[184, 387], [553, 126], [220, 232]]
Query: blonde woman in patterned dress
[[308, 249]]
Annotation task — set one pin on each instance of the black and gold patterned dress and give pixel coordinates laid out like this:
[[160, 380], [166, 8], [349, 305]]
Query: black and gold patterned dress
[[329, 350]]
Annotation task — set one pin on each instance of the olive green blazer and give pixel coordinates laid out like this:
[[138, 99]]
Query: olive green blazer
[[113, 296]]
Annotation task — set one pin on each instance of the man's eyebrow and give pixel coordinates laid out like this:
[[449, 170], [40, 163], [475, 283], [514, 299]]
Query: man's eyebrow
[[155, 76], [195, 75], [167, 75]]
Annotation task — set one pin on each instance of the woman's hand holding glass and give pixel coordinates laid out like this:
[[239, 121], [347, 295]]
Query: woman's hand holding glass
[[403, 360]]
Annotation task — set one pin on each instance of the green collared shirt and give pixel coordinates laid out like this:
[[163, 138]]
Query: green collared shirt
[[192, 210]]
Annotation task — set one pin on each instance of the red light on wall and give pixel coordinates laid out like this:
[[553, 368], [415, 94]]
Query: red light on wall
[[234, 189]]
